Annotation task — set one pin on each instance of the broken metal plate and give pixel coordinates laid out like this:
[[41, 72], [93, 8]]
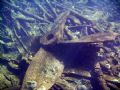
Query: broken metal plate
[[42, 72], [56, 32], [94, 38]]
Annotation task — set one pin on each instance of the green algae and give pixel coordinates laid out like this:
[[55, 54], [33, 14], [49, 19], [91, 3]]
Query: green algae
[[7, 79]]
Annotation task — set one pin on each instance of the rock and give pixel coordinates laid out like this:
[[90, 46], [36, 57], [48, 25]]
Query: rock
[[31, 84], [7, 79], [108, 66], [13, 65], [81, 87]]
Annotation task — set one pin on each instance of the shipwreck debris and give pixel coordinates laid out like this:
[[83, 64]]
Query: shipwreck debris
[[94, 38], [70, 28], [57, 30], [45, 70]]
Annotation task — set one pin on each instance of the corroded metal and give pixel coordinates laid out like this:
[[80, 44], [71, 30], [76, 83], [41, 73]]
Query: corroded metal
[[80, 72], [102, 82], [57, 30], [42, 72], [45, 69], [94, 38]]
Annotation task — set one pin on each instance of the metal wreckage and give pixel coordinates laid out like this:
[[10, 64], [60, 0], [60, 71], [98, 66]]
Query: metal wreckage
[[64, 57]]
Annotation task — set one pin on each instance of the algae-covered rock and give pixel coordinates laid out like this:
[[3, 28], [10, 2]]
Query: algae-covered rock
[[93, 14], [3, 82], [9, 56], [7, 79], [13, 65]]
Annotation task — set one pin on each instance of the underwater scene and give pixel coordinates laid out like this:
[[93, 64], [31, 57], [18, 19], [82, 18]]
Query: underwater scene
[[59, 44]]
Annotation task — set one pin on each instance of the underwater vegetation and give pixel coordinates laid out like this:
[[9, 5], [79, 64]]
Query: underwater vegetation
[[59, 44]]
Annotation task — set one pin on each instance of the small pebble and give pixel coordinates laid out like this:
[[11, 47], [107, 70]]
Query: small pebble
[[119, 74], [108, 66], [31, 84], [81, 87]]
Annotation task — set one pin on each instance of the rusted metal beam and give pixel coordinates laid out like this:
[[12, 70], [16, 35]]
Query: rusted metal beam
[[94, 38], [56, 32]]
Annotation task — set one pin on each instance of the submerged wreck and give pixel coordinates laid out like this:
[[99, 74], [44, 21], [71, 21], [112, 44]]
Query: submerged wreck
[[68, 60], [62, 57]]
